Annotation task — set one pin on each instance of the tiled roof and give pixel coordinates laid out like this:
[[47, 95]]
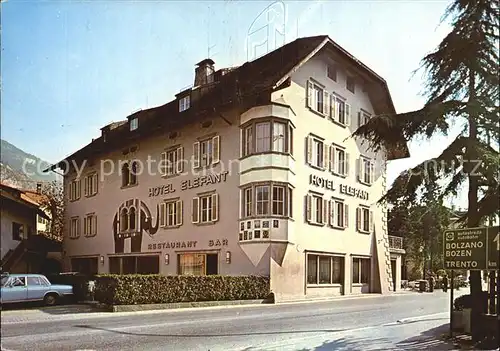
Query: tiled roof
[[247, 85]]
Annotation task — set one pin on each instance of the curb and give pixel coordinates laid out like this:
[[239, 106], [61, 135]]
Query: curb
[[179, 305]]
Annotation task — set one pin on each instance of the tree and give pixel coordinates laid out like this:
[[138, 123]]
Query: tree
[[53, 201], [462, 87]]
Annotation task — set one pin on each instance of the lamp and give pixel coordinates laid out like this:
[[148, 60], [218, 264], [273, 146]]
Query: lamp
[[228, 257], [167, 258], [102, 259]]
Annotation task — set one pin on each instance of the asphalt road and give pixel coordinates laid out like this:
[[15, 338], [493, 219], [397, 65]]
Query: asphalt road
[[366, 323]]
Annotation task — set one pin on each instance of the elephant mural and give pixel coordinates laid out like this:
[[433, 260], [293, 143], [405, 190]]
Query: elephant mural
[[130, 221]]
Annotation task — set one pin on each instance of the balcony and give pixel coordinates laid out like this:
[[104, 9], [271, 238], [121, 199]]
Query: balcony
[[396, 244]]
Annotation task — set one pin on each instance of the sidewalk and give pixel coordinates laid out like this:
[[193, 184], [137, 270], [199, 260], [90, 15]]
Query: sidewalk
[[437, 339]]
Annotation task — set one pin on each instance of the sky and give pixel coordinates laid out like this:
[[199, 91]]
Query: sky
[[70, 67]]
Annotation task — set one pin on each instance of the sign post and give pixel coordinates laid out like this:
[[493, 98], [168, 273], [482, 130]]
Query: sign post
[[493, 245]]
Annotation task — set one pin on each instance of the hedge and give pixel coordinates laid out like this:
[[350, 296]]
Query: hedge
[[135, 289], [466, 301]]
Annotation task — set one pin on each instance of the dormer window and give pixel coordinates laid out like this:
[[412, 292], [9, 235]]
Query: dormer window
[[134, 124], [184, 103]]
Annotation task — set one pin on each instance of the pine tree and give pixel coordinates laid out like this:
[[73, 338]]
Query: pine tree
[[462, 87]]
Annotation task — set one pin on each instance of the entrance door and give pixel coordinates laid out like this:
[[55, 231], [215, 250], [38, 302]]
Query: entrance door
[[393, 270], [212, 264]]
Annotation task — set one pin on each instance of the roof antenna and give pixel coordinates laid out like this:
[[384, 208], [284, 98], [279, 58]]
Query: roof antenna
[[208, 34]]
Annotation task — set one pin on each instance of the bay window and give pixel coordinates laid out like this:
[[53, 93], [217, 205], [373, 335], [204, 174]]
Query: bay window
[[267, 135], [267, 199]]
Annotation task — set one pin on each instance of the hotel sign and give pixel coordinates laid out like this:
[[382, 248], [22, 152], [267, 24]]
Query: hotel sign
[[321, 182], [204, 180], [351, 191], [161, 190], [465, 248]]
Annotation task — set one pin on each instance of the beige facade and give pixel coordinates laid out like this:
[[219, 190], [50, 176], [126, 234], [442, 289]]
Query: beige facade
[[275, 188]]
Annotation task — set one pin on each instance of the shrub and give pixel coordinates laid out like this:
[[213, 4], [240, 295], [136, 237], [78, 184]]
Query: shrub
[[134, 289], [465, 301]]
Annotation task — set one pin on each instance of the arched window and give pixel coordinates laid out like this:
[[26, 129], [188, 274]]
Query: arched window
[[132, 219], [133, 173], [124, 220], [125, 174]]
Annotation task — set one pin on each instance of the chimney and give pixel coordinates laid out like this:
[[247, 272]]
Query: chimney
[[203, 73], [38, 188]]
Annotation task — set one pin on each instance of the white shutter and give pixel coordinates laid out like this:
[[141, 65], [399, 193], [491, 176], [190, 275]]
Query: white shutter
[[195, 210], [332, 107], [78, 226], [326, 156], [371, 227], [324, 218], [78, 188], [332, 212], [86, 186], [163, 214], [94, 225], [309, 146], [163, 165], [309, 94], [372, 172], [95, 184], [346, 215], [332, 159], [179, 213], [215, 207], [361, 170], [347, 114], [216, 149], [346, 168], [179, 166], [309, 207], [358, 219], [359, 119], [326, 103], [337, 110], [85, 230], [196, 154]]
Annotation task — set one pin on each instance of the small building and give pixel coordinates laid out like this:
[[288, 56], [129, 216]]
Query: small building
[[25, 247], [252, 171]]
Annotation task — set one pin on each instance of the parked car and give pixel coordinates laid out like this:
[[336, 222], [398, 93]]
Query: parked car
[[32, 287]]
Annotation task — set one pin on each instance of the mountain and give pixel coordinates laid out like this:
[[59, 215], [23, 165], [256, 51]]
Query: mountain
[[21, 169]]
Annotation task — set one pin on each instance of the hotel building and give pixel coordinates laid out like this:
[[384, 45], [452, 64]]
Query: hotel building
[[252, 171]]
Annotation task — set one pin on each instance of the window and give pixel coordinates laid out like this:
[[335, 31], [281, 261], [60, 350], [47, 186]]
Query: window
[[74, 190], [147, 264], [366, 171], [173, 161], [205, 208], [74, 228], [349, 84], [197, 264], [269, 136], [339, 161], [270, 199], [364, 220], [263, 137], [206, 152], [17, 231], [129, 174], [339, 214], [262, 200], [90, 185], [325, 269], [171, 213], [128, 219], [316, 209], [90, 225], [134, 124], [317, 98], [34, 281], [317, 152], [340, 111], [361, 270], [19, 281], [85, 265], [184, 103], [331, 72], [363, 118]]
